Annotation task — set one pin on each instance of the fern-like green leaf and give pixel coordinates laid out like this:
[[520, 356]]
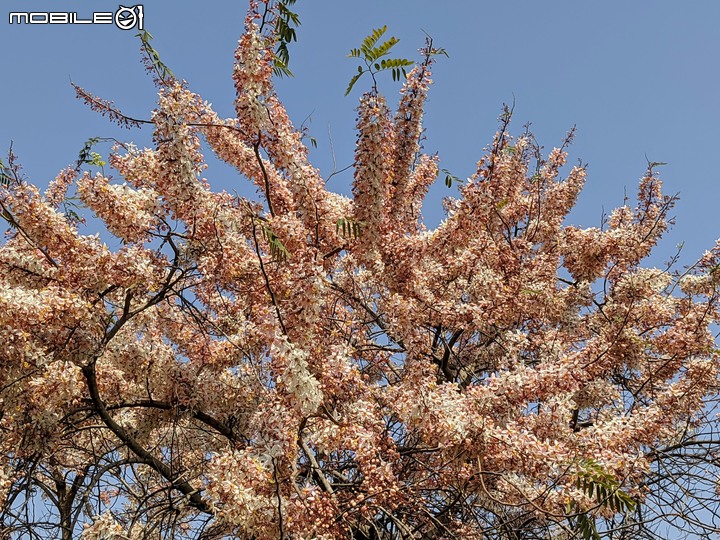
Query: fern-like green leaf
[[284, 33], [388, 63], [350, 227], [353, 81], [153, 58], [370, 41], [280, 69], [378, 52], [451, 179], [5, 178], [586, 526], [278, 252], [373, 55], [600, 485]]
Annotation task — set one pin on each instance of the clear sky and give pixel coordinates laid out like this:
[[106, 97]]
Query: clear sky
[[637, 77]]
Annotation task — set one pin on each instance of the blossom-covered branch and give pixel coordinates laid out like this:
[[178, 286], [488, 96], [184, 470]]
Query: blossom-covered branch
[[314, 366]]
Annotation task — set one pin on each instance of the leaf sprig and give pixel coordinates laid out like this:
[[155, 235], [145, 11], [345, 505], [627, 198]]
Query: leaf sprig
[[10, 173], [350, 227], [6, 175], [373, 55], [598, 484], [451, 179], [285, 25], [161, 73], [278, 252]]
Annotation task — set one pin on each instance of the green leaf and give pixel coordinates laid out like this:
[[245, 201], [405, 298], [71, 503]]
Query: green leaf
[[353, 81], [436, 52], [5, 178], [370, 41], [597, 483], [653, 164], [350, 227], [163, 71], [371, 53], [283, 34], [278, 252], [97, 160], [382, 50], [603, 487], [602, 494], [451, 179], [280, 69], [388, 63]]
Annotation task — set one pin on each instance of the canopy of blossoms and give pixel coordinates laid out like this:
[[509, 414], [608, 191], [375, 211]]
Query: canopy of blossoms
[[256, 369]]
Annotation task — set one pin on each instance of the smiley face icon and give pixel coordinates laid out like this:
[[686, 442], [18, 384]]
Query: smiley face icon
[[127, 17]]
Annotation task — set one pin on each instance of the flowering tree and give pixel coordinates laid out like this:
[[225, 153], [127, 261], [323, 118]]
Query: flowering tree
[[318, 366]]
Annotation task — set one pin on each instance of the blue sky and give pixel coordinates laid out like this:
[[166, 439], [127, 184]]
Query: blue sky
[[637, 78]]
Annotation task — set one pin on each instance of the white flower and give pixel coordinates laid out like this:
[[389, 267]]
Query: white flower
[[296, 376]]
